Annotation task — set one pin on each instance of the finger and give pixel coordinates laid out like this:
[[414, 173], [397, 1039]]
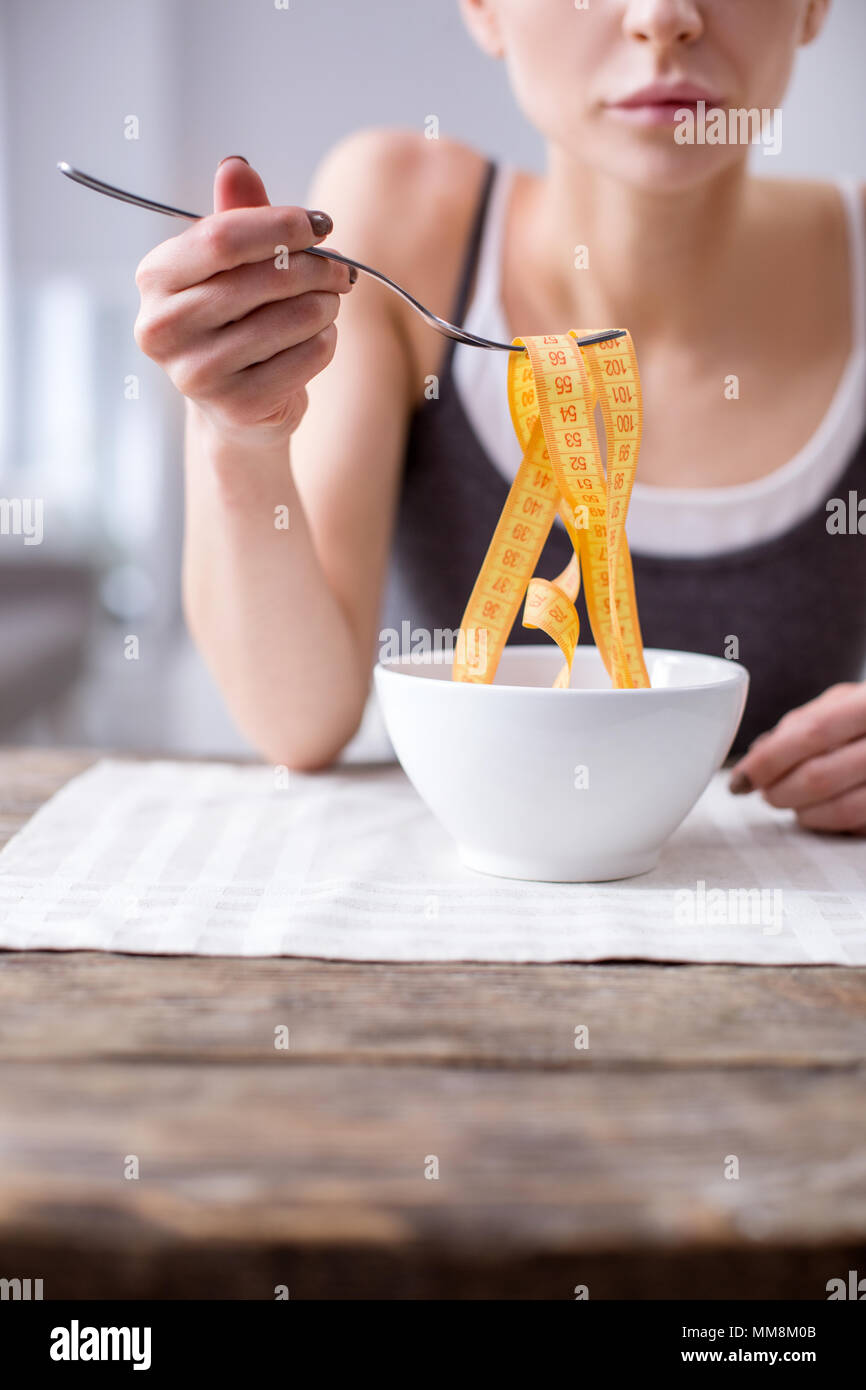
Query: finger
[[239, 236], [266, 332], [835, 717], [821, 778], [233, 294], [274, 327], [237, 185], [260, 391], [841, 813], [178, 319]]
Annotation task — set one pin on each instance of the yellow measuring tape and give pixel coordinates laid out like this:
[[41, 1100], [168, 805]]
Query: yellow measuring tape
[[553, 388]]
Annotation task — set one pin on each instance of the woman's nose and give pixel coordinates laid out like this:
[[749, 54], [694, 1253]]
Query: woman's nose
[[663, 22]]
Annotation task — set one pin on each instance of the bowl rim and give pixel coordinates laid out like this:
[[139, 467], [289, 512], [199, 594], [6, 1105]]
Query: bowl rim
[[392, 669]]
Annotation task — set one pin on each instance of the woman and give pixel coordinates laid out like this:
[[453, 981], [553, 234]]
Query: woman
[[311, 494]]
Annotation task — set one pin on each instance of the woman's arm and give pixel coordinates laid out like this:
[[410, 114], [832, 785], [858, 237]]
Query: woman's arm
[[291, 483]]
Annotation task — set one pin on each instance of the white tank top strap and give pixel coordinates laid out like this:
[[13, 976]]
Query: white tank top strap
[[487, 291], [852, 196]]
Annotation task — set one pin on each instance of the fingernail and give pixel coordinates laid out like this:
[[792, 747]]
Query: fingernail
[[353, 274], [741, 783], [321, 223], [233, 156]]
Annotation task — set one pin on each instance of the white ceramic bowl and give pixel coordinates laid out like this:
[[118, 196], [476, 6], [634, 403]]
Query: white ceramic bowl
[[568, 785]]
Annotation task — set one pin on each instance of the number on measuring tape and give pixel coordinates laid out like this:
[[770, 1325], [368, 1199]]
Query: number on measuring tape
[[553, 389]]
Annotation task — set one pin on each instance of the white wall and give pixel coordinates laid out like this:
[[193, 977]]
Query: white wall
[[210, 77], [207, 78]]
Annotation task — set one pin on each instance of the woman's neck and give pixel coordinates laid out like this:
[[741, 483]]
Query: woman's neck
[[661, 264]]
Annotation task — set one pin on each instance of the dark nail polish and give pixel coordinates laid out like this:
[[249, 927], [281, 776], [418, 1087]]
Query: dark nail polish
[[740, 784], [233, 156], [353, 274], [321, 223]]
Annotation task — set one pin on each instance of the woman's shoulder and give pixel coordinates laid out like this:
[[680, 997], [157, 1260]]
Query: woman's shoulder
[[404, 150], [402, 199], [814, 199], [810, 232], [418, 172]]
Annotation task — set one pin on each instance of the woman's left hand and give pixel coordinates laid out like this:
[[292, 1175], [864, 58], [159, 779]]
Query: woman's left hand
[[814, 762]]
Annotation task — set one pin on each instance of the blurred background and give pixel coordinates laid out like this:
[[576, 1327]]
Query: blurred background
[[150, 94]]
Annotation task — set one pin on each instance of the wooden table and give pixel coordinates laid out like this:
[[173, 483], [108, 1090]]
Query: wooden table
[[557, 1167]]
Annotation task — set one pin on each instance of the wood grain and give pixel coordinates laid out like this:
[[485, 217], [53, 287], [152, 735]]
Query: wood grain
[[305, 1167], [518, 1018], [299, 1158]]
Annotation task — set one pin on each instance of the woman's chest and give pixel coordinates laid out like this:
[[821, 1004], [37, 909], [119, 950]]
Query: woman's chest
[[734, 421]]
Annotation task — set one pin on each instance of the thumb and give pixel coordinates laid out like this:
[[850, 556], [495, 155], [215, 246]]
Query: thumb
[[236, 185]]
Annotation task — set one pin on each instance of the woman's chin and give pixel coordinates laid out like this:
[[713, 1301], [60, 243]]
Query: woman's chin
[[657, 166]]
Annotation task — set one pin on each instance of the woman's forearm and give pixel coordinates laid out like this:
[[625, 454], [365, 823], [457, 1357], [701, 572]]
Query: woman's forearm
[[257, 601]]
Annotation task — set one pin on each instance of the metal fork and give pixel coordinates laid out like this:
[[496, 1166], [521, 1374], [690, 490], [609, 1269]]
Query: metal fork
[[449, 330]]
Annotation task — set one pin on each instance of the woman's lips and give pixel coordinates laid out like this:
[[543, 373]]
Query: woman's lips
[[658, 104]]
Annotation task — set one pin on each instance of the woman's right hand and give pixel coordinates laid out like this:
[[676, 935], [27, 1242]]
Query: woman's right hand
[[237, 318]]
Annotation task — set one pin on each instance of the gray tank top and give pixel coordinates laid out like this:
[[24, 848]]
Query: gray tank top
[[796, 603]]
